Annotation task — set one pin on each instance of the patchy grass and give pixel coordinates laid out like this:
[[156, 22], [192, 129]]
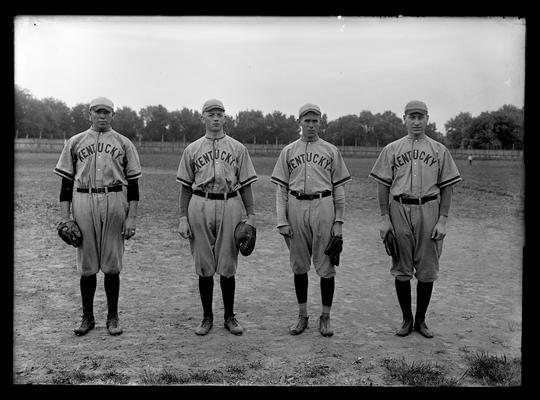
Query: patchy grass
[[230, 374], [493, 370], [78, 377], [316, 370], [417, 373]]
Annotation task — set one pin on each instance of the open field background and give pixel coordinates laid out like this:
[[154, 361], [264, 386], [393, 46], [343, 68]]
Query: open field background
[[475, 308]]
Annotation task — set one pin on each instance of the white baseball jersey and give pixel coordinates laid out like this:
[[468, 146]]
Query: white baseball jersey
[[310, 167], [415, 167], [94, 160], [216, 165], [98, 159]]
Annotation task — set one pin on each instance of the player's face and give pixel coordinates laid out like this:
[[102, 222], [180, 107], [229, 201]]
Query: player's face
[[416, 123], [101, 119], [213, 120], [311, 126]]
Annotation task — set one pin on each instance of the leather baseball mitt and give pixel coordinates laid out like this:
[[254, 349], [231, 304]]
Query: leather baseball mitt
[[334, 248], [390, 245], [245, 237], [70, 232]]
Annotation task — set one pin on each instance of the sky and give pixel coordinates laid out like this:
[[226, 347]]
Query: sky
[[343, 64]]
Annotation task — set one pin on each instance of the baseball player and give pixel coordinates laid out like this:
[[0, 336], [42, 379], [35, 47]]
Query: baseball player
[[415, 176], [215, 173], [310, 175], [95, 166]]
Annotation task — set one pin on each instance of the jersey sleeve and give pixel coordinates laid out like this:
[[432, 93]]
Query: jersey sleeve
[[65, 167], [280, 174], [132, 168], [185, 174], [448, 171], [246, 170], [340, 172], [382, 169]]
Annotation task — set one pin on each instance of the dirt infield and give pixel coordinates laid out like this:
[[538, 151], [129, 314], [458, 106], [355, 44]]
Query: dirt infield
[[476, 303]]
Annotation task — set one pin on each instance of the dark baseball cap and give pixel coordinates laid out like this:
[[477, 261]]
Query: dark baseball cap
[[101, 102], [309, 108], [416, 106], [213, 104]]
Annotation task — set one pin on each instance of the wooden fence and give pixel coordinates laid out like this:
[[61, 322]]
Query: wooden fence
[[56, 145]]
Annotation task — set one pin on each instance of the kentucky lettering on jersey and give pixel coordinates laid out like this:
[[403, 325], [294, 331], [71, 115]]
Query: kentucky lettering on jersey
[[310, 167], [219, 165], [99, 159], [315, 158], [406, 157], [415, 167], [209, 156], [101, 148]]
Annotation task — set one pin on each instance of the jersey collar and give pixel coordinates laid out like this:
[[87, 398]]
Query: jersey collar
[[215, 138]]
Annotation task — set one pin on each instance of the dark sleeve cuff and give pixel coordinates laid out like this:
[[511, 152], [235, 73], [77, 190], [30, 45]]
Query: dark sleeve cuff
[[133, 190], [66, 190]]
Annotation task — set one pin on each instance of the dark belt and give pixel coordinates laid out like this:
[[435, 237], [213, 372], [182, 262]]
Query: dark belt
[[304, 196], [414, 200], [215, 196], [101, 189]]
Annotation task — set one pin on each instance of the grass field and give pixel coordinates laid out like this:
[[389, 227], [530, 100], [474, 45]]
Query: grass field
[[475, 312]]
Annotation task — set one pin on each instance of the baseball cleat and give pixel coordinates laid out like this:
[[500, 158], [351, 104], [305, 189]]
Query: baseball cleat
[[423, 329], [324, 326], [87, 324], [300, 326], [113, 326], [406, 328], [205, 326], [233, 326]]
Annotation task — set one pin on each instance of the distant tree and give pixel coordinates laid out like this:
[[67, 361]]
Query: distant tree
[[387, 128], [481, 134], [57, 119], [508, 126], [344, 130], [79, 116], [193, 127], [250, 126], [457, 130], [23, 117], [127, 122], [280, 128], [431, 131], [367, 122], [155, 123]]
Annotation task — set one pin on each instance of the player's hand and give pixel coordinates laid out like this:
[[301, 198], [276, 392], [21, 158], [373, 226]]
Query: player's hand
[[439, 232], [251, 220], [337, 229], [385, 226], [129, 228], [286, 231], [183, 228]]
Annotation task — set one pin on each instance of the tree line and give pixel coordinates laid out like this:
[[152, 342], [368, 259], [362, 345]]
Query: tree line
[[52, 118]]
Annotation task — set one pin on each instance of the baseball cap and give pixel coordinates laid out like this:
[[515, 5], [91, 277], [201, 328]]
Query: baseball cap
[[309, 108], [102, 102], [211, 104], [416, 106]]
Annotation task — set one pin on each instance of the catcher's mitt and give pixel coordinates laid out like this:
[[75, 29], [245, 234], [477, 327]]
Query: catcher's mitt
[[390, 244], [334, 248], [70, 232], [245, 236]]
